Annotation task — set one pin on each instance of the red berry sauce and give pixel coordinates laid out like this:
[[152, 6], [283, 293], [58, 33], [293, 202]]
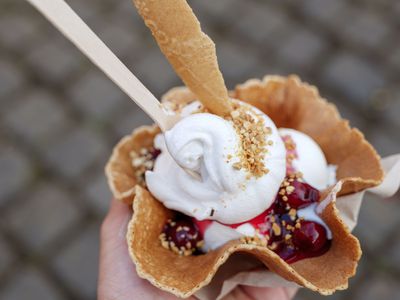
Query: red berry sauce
[[154, 152], [291, 237]]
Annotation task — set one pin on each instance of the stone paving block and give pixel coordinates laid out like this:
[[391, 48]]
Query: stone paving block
[[11, 80], [264, 25], [97, 193], [220, 9], [74, 152], [222, 12], [394, 56], [236, 62], [37, 116], [395, 9], [376, 222], [385, 140], [354, 77], [355, 117], [271, 66], [97, 96], [153, 69], [392, 256], [15, 171], [6, 255], [384, 5], [329, 12], [132, 119], [17, 31], [302, 49], [30, 283], [42, 216], [379, 286], [77, 264], [392, 110], [366, 29], [125, 15], [122, 38], [89, 11], [55, 58]]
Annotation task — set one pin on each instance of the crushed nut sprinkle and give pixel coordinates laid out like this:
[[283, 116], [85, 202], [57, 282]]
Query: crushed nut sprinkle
[[252, 133], [258, 240], [142, 161], [276, 229]]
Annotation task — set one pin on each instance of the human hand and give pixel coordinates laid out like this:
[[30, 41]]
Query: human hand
[[118, 279]]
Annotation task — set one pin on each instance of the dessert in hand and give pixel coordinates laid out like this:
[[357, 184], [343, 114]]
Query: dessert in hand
[[298, 233], [229, 176], [257, 173]]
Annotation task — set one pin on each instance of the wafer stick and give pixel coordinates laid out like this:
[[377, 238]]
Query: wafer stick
[[189, 50]]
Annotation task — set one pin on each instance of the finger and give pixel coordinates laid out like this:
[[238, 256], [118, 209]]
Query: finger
[[115, 223], [291, 292], [258, 293], [114, 265], [243, 292]]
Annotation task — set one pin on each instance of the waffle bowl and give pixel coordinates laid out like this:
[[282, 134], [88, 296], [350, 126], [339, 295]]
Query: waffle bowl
[[291, 104]]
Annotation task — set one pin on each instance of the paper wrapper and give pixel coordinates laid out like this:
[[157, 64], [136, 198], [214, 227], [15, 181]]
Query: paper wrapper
[[231, 275]]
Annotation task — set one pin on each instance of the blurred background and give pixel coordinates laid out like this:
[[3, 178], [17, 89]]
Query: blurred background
[[60, 118]]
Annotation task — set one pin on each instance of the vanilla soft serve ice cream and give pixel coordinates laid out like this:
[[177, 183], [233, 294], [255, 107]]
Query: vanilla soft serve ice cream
[[198, 171], [305, 156]]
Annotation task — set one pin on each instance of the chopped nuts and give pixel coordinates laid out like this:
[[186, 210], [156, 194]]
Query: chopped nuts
[[276, 229], [258, 240], [252, 133], [143, 160]]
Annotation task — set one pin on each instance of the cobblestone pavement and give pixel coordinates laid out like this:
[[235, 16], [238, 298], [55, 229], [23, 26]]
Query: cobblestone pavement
[[60, 118]]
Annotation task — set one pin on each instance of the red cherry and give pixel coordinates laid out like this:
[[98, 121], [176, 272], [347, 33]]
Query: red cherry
[[310, 237], [280, 207], [287, 253], [154, 152], [183, 233], [302, 195]]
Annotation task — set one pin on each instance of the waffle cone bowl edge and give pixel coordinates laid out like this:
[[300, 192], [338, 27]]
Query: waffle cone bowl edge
[[291, 104]]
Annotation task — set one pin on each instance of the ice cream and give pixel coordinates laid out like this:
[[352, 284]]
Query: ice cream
[[205, 170], [305, 156], [158, 237], [196, 175]]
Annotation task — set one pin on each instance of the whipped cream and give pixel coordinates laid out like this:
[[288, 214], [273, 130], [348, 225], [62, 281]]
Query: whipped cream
[[195, 173], [310, 160]]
